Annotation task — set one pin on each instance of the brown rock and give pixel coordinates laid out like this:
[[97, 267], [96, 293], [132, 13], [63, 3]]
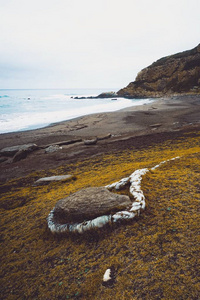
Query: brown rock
[[88, 204]]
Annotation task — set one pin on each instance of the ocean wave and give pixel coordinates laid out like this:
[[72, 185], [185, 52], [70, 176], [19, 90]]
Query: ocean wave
[[46, 108], [4, 96]]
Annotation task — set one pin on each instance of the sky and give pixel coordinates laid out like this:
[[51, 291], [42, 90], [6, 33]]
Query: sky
[[90, 43]]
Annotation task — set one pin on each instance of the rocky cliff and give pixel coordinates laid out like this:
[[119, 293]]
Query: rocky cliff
[[174, 74]]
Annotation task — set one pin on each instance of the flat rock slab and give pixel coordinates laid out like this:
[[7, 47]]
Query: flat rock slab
[[88, 204], [155, 125], [45, 180], [10, 151], [90, 142], [104, 137]]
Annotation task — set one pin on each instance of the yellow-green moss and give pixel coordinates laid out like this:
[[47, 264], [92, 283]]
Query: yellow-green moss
[[155, 256]]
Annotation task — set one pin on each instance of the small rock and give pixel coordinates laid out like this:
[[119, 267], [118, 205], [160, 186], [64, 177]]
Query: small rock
[[106, 276], [107, 95], [88, 204], [52, 148], [109, 277], [104, 137], [54, 178], [90, 142]]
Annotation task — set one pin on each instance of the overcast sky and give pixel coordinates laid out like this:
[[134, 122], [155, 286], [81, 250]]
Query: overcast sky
[[90, 43]]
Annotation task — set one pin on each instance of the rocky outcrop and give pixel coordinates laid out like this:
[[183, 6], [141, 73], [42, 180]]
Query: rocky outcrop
[[102, 96], [17, 152], [174, 74]]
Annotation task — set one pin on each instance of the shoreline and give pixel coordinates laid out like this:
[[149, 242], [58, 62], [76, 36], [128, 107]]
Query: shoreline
[[59, 108], [136, 126]]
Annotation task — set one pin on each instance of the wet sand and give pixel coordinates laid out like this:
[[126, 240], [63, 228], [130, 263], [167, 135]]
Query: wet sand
[[137, 126]]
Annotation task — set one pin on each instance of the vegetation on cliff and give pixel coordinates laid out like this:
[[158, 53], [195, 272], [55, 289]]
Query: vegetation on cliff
[[154, 257], [174, 74]]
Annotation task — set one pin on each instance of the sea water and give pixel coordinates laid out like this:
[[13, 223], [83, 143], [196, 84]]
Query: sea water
[[31, 109]]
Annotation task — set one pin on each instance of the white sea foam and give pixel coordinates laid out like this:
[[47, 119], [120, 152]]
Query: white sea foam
[[31, 109]]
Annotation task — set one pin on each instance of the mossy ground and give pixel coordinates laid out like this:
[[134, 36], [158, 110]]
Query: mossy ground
[[154, 256]]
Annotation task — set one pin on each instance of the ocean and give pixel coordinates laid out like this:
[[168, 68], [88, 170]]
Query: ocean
[[31, 109]]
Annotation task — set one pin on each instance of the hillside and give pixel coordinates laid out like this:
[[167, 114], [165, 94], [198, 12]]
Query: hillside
[[174, 74], [154, 257]]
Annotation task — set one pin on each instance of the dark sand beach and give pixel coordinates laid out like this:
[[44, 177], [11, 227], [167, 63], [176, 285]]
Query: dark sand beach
[[137, 126]]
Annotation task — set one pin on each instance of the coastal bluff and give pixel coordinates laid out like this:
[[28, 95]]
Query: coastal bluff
[[174, 74]]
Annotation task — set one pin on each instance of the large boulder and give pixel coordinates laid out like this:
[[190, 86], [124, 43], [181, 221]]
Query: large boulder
[[88, 204], [10, 151]]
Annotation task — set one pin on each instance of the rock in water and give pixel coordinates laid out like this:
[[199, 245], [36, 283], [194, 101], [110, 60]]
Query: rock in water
[[89, 203]]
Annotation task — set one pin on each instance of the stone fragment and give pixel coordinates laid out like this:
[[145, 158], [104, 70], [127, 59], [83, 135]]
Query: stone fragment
[[10, 151], [50, 179], [90, 142], [52, 148], [106, 275], [109, 277], [89, 203], [104, 137]]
